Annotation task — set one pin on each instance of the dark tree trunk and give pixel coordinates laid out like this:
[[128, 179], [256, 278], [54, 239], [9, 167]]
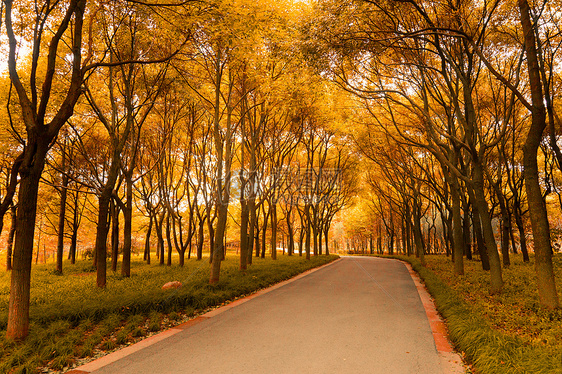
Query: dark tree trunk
[[477, 230], [18, 317], [522, 234], [244, 220], [496, 280], [548, 296], [114, 235], [146, 255], [169, 240], [308, 224], [273, 231], [11, 234], [128, 227], [74, 236], [101, 237], [200, 239], [62, 215], [458, 248], [159, 233]]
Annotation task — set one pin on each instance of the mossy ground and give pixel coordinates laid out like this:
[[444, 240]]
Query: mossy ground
[[71, 318]]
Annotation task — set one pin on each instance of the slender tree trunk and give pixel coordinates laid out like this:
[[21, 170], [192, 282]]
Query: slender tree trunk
[[169, 240], [326, 231], [290, 234], [457, 227], [128, 227], [200, 238], [62, 216], [101, 237], [477, 228], [146, 256], [308, 224], [244, 220], [159, 233], [522, 234], [505, 227], [496, 280], [273, 211], [418, 234], [548, 295], [114, 235], [11, 234], [74, 236]]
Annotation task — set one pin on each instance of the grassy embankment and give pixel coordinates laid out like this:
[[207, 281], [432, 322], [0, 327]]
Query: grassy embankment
[[71, 318], [503, 334]]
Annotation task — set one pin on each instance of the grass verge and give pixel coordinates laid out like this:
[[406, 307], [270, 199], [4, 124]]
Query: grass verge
[[72, 319], [504, 334]]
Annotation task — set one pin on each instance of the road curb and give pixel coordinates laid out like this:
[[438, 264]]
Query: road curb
[[121, 353], [451, 361]]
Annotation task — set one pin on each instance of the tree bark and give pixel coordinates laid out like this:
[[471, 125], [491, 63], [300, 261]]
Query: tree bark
[[18, 312], [114, 234], [128, 227], [496, 280], [548, 295], [62, 214], [146, 256], [9, 245], [273, 213], [457, 227]]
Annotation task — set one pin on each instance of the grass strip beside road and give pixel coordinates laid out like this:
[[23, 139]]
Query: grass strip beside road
[[71, 318], [504, 334]]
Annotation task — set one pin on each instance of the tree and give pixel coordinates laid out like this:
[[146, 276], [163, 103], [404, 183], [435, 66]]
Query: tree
[[42, 124]]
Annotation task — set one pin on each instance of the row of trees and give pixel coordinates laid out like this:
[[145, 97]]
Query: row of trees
[[459, 104], [195, 115]]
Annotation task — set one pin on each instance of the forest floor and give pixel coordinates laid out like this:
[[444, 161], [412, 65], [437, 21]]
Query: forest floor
[[503, 333], [72, 321]]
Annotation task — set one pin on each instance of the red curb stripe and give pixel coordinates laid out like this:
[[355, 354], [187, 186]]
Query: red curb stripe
[[438, 327], [190, 323]]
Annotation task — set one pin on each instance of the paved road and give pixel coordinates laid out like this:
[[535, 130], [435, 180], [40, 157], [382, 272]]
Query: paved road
[[359, 315]]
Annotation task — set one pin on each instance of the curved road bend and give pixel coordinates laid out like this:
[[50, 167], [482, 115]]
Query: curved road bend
[[358, 315]]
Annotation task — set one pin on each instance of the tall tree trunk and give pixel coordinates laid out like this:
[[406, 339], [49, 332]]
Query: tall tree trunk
[[169, 240], [290, 234], [477, 228], [74, 236], [273, 212], [522, 233], [418, 239], [326, 231], [128, 227], [159, 233], [244, 220], [200, 238], [457, 227], [496, 280], [101, 237], [114, 235], [62, 214], [308, 223], [146, 255], [548, 295], [18, 309], [9, 245]]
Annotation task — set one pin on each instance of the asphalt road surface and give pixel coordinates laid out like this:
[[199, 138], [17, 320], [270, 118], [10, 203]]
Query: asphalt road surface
[[358, 315]]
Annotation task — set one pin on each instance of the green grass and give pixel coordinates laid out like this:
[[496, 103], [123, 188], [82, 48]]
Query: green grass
[[71, 318], [505, 333]]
